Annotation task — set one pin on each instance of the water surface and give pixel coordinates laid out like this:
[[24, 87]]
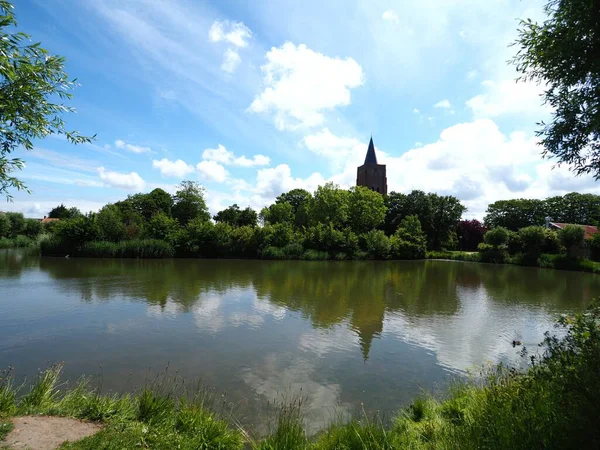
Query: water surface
[[344, 333]]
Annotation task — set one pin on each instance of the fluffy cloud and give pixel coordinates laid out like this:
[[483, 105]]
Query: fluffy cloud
[[508, 97], [212, 171], [237, 35], [224, 156], [444, 104], [301, 84], [129, 181], [390, 16], [169, 168], [273, 181], [132, 148], [234, 33]]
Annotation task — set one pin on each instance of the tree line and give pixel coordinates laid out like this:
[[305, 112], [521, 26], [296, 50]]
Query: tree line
[[331, 223]]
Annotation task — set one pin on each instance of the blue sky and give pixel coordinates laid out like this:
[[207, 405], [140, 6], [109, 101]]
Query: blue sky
[[255, 98]]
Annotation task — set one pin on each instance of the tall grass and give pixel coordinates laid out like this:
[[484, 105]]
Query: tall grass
[[454, 256], [146, 248], [19, 241]]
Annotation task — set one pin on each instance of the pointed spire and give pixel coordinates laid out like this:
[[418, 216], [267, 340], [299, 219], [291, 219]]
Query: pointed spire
[[371, 156]]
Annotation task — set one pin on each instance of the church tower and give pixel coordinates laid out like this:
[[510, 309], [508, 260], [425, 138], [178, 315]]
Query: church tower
[[371, 174]]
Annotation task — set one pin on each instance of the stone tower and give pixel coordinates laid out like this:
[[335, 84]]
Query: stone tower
[[371, 174]]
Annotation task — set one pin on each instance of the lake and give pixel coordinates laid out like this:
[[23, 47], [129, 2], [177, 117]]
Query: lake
[[347, 335]]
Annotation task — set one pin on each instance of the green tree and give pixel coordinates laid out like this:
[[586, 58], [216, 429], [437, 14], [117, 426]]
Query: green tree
[[76, 232], [17, 223], [409, 240], [300, 199], [62, 212], [572, 237], [330, 205], [31, 81], [533, 239], [4, 225], [515, 214], [446, 212], [562, 54], [32, 228], [366, 209], [375, 244], [496, 236], [162, 227], [190, 203], [229, 215], [110, 224], [282, 212], [247, 218]]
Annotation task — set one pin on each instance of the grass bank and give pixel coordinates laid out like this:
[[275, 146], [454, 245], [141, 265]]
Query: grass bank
[[560, 262], [18, 242], [554, 404]]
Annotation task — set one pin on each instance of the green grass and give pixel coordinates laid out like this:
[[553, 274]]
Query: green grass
[[454, 256], [555, 404], [145, 248], [18, 242]]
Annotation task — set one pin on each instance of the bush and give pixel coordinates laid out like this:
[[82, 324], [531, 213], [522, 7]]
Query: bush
[[100, 249], [514, 244], [375, 244], [532, 239], [32, 228], [324, 237], [162, 227], [409, 241], [146, 248], [492, 254], [572, 237], [496, 237], [470, 234], [17, 223], [552, 244], [315, 255], [76, 232], [4, 226]]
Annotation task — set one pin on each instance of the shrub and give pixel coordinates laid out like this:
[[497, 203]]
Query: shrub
[[514, 244], [532, 239], [75, 232], [315, 255], [552, 244], [324, 237], [17, 223], [496, 236], [491, 253], [32, 228], [146, 248], [110, 222], [409, 241], [162, 227], [376, 244], [272, 252], [99, 249], [572, 237], [4, 225], [244, 242]]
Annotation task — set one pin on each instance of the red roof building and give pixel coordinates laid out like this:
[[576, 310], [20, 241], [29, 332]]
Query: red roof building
[[590, 230]]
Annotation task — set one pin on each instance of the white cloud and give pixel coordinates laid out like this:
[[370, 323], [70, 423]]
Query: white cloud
[[472, 74], [444, 104], [237, 35], [129, 181], [132, 148], [234, 33], [169, 168], [390, 16], [212, 171], [416, 111], [224, 156], [301, 84], [231, 60], [273, 181], [507, 97]]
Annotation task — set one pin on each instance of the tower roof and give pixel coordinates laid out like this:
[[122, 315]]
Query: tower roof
[[371, 156]]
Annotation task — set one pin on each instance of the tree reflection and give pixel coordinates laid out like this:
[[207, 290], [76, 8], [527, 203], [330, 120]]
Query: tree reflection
[[324, 293]]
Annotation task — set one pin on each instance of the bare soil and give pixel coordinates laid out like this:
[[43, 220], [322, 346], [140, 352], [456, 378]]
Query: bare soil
[[46, 433]]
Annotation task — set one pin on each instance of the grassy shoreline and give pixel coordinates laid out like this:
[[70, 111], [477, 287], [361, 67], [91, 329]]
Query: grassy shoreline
[[554, 404], [545, 261]]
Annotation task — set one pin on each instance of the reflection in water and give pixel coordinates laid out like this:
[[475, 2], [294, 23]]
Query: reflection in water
[[344, 332]]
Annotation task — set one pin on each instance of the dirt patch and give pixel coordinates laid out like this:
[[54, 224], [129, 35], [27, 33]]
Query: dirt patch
[[47, 433]]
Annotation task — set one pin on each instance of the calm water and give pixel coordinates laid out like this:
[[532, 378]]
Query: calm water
[[345, 333]]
